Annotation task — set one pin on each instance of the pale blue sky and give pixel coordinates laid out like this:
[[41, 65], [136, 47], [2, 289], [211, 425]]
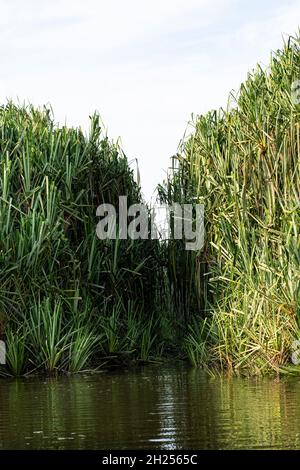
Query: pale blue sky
[[145, 65]]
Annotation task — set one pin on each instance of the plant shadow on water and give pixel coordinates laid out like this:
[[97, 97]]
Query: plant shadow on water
[[170, 407]]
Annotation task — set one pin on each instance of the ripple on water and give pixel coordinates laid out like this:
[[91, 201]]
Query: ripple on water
[[151, 408]]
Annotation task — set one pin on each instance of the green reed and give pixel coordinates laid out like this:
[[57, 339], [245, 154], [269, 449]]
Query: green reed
[[242, 163], [58, 281]]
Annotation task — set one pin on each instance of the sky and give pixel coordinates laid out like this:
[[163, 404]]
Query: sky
[[147, 66]]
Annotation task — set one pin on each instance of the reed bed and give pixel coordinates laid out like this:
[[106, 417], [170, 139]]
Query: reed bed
[[69, 301], [242, 163]]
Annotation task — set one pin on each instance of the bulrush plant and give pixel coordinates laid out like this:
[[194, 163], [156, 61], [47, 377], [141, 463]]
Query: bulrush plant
[[243, 165]]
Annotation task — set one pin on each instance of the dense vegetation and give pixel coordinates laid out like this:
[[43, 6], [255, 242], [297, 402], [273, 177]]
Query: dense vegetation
[[243, 164], [70, 302]]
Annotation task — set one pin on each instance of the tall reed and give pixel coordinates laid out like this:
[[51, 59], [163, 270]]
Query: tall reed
[[242, 163], [57, 279]]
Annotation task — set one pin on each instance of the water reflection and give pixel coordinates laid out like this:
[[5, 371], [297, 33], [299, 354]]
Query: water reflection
[[166, 408]]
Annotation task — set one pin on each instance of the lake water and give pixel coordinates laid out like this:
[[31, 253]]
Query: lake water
[[165, 407]]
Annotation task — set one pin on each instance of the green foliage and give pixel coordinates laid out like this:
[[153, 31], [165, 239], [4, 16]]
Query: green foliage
[[16, 353], [69, 301], [58, 281], [243, 165], [47, 335]]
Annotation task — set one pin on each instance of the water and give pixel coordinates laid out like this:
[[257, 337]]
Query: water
[[150, 408]]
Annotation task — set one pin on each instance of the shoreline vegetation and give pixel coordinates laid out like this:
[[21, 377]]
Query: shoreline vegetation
[[71, 302], [243, 164]]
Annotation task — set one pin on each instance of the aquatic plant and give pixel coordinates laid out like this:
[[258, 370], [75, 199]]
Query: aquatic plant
[[16, 353], [53, 267], [242, 163]]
